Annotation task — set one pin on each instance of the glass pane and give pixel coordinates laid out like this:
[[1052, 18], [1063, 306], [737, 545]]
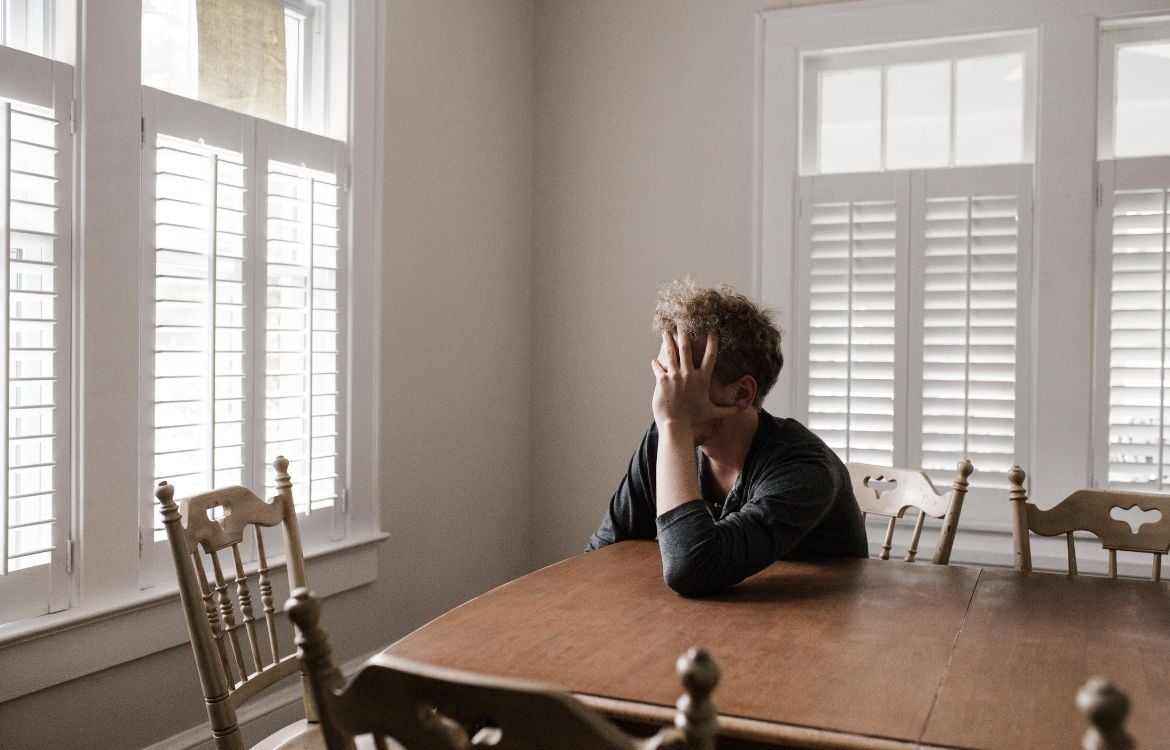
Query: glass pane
[[234, 54], [1142, 118], [918, 115], [850, 128], [989, 110], [23, 26], [170, 50]]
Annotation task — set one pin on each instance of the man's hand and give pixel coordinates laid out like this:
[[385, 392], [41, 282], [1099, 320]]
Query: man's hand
[[682, 392]]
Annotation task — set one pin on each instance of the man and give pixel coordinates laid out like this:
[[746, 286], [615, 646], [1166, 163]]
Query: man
[[726, 487]]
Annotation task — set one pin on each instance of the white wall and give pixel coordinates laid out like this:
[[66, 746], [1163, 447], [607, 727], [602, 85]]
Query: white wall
[[455, 362], [454, 375], [645, 171]]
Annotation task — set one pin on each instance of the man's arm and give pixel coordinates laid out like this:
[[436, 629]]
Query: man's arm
[[631, 509], [701, 555], [682, 401]]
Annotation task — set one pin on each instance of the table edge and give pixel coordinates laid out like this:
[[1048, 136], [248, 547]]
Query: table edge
[[752, 729]]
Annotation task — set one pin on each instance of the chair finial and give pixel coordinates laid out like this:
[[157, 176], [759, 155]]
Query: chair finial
[[1105, 707], [965, 467], [1016, 478], [697, 713]]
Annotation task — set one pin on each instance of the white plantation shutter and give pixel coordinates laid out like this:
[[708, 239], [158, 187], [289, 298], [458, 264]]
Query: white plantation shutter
[[302, 406], [974, 229], [1134, 222], [914, 336], [852, 267], [200, 312], [245, 330], [35, 188]]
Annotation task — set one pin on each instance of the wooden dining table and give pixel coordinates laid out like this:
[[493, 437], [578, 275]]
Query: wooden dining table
[[845, 653]]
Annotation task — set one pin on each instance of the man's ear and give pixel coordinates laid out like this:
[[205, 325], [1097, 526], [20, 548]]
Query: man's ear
[[746, 389]]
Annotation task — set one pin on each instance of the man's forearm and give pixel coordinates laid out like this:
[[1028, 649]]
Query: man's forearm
[[677, 474]]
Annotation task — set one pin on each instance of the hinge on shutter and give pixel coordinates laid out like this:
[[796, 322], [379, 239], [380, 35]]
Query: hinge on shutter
[[68, 557], [73, 116], [142, 130], [141, 541], [345, 178], [345, 502], [1097, 197]]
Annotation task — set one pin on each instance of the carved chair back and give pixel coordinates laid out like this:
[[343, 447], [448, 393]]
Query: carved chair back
[[425, 707], [1091, 511], [891, 491], [233, 636]]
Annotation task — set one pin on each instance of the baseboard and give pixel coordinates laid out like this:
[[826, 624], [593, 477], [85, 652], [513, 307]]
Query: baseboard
[[258, 719]]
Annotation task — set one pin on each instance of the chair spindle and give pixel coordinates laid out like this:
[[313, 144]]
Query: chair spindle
[[266, 595], [245, 598], [1072, 554], [1112, 563], [1156, 575], [912, 552], [227, 616], [212, 614], [888, 542]]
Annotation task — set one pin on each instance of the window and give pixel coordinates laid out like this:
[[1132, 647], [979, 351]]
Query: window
[[1133, 236], [265, 58], [922, 105], [910, 251], [27, 25], [247, 243], [969, 246], [226, 241]]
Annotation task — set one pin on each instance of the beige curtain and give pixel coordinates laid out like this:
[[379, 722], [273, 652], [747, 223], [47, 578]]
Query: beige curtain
[[242, 56]]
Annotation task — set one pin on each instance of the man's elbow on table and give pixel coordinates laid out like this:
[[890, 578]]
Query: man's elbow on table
[[691, 576]]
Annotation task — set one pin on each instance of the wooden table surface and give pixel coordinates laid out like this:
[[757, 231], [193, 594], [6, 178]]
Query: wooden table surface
[[842, 653]]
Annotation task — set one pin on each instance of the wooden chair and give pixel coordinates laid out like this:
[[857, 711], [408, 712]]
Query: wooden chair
[[233, 666], [421, 706], [890, 491], [1105, 707], [1089, 510]]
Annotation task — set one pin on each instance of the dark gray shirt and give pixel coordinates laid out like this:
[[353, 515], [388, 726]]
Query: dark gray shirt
[[793, 499]]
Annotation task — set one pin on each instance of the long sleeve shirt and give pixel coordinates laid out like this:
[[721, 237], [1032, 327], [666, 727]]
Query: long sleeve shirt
[[793, 499]]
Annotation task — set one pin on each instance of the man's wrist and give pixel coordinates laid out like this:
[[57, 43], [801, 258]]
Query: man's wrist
[[674, 427]]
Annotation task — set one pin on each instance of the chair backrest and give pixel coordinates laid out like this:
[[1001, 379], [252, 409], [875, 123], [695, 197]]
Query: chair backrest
[[1091, 511], [890, 491], [1105, 707], [233, 666], [421, 706]]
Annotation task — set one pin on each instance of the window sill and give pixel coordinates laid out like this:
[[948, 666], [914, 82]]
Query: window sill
[[94, 639]]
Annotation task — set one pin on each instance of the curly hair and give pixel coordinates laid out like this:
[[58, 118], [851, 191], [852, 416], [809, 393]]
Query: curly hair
[[749, 342]]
